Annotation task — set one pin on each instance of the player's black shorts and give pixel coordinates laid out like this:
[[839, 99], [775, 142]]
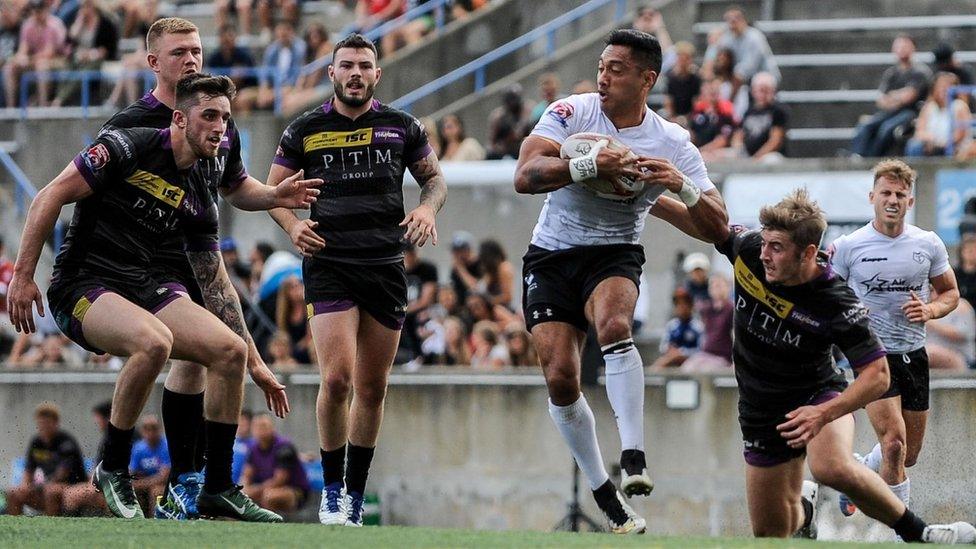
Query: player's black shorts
[[910, 379], [171, 268], [380, 290], [70, 299], [556, 284], [763, 446]]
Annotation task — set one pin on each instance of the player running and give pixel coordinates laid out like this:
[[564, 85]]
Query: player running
[[584, 261], [355, 285], [790, 309], [889, 264]]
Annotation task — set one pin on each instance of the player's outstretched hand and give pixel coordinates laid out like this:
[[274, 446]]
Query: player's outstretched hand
[[304, 237], [660, 171], [274, 392], [420, 226], [917, 310], [802, 425], [21, 294], [294, 192]]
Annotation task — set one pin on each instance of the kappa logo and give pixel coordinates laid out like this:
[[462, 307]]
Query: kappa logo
[[873, 259], [97, 157]]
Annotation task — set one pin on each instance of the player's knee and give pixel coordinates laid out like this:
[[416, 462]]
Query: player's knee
[[231, 355], [371, 395], [564, 386], [157, 345], [613, 329], [337, 386], [838, 475], [911, 458]]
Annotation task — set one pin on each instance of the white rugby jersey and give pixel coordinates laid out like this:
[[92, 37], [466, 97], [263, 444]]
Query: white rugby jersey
[[883, 271], [574, 215]]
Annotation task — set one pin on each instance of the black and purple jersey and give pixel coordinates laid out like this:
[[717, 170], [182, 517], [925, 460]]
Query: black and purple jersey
[[362, 162], [784, 334], [141, 199]]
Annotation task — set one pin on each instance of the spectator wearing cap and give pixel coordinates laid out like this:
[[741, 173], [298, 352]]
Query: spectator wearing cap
[[465, 267], [508, 124], [41, 48], [683, 333], [696, 267], [240, 273], [945, 61]]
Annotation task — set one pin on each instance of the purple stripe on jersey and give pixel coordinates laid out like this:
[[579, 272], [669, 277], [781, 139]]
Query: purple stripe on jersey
[[234, 182], [176, 287], [86, 171], [173, 296], [376, 105], [387, 135], [392, 324], [419, 154], [327, 106], [228, 139], [167, 138], [286, 162], [331, 306], [868, 358], [150, 100], [828, 272]]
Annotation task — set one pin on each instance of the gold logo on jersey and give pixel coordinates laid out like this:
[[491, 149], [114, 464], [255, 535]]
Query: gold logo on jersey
[[157, 186], [751, 284], [334, 140]]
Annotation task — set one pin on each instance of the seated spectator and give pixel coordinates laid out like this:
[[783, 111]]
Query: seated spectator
[[730, 86], [936, 119], [951, 340], [462, 9], [762, 134], [81, 498], [683, 333], [716, 318], [230, 56], [242, 440], [269, 11], [10, 21], [497, 273], [242, 8], [283, 59], [696, 267], [258, 257], [476, 309], [455, 146], [683, 84], [945, 61], [421, 294], [239, 272], [902, 87], [291, 317], [651, 21], [7, 332], [149, 463], [280, 350], [966, 268], [273, 476], [456, 350], [433, 134], [549, 85], [712, 122], [488, 352], [373, 13], [312, 84], [584, 86], [41, 48], [508, 124], [54, 462], [448, 303], [749, 44], [50, 354], [465, 267], [520, 347], [93, 39]]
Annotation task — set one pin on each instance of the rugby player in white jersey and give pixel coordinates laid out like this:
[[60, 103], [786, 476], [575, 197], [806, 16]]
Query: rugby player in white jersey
[[584, 260], [889, 264]]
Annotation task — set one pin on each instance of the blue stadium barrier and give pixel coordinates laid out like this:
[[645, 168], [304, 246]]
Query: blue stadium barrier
[[953, 92], [24, 192]]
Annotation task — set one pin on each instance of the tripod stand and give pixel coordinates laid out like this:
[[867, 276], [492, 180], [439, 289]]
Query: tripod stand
[[574, 513]]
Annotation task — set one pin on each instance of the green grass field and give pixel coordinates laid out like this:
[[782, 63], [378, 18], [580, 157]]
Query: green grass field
[[65, 533]]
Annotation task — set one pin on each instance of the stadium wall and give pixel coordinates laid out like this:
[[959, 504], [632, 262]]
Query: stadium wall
[[480, 451]]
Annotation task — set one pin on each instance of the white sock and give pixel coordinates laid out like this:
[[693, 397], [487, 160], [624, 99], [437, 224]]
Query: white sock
[[625, 389], [578, 428], [903, 490], [873, 459]]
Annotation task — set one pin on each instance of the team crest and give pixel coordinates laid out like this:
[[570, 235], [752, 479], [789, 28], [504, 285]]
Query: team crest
[[96, 157], [917, 256], [561, 112]]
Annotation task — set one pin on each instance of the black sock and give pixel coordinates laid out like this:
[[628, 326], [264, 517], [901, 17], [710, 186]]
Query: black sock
[[357, 468], [182, 421], [807, 512], [333, 464], [118, 448], [605, 495], [220, 453], [909, 527], [200, 445]]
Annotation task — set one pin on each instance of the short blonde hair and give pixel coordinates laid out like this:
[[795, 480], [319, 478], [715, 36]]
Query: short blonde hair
[[48, 410], [168, 25], [798, 216], [685, 47], [898, 170]]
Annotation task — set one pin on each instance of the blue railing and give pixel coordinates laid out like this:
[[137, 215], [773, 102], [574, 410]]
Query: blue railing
[[24, 192], [479, 66], [953, 92]]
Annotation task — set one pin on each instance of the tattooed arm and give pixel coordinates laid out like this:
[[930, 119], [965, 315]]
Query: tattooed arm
[[221, 299], [433, 193]]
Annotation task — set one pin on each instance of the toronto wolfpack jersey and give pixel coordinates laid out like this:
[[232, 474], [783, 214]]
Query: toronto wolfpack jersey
[[576, 216], [362, 162], [141, 198], [783, 334], [883, 271]]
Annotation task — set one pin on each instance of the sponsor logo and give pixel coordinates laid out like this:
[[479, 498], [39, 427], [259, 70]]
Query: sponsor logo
[[157, 186], [873, 259], [335, 140], [804, 318], [561, 112], [536, 315], [918, 257], [120, 139], [878, 284], [97, 157], [855, 314], [752, 285]]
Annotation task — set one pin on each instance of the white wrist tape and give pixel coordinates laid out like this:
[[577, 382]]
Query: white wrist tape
[[689, 192], [584, 167]]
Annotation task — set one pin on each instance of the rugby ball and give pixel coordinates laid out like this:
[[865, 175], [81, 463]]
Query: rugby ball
[[580, 144]]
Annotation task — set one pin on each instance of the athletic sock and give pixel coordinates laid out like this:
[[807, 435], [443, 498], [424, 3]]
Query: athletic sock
[[333, 465], [220, 454], [357, 468], [182, 421], [909, 527], [118, 448], [903, 490], [874, 458], [200, 445], [578, 428], [605, 495], [625, 389]]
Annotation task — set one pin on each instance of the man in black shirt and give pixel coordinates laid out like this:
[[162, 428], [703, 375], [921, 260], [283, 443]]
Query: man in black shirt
[[421, 293], [135, 189], [966, 268], [353, 244], [790, 309], [762, 133], [56, 456]]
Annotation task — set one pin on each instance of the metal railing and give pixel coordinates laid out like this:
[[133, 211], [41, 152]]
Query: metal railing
[[24, 192], [951, 95], [478, 67]]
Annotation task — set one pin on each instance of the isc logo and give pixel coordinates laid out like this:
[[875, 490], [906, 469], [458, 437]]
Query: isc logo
[[357, 137]]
